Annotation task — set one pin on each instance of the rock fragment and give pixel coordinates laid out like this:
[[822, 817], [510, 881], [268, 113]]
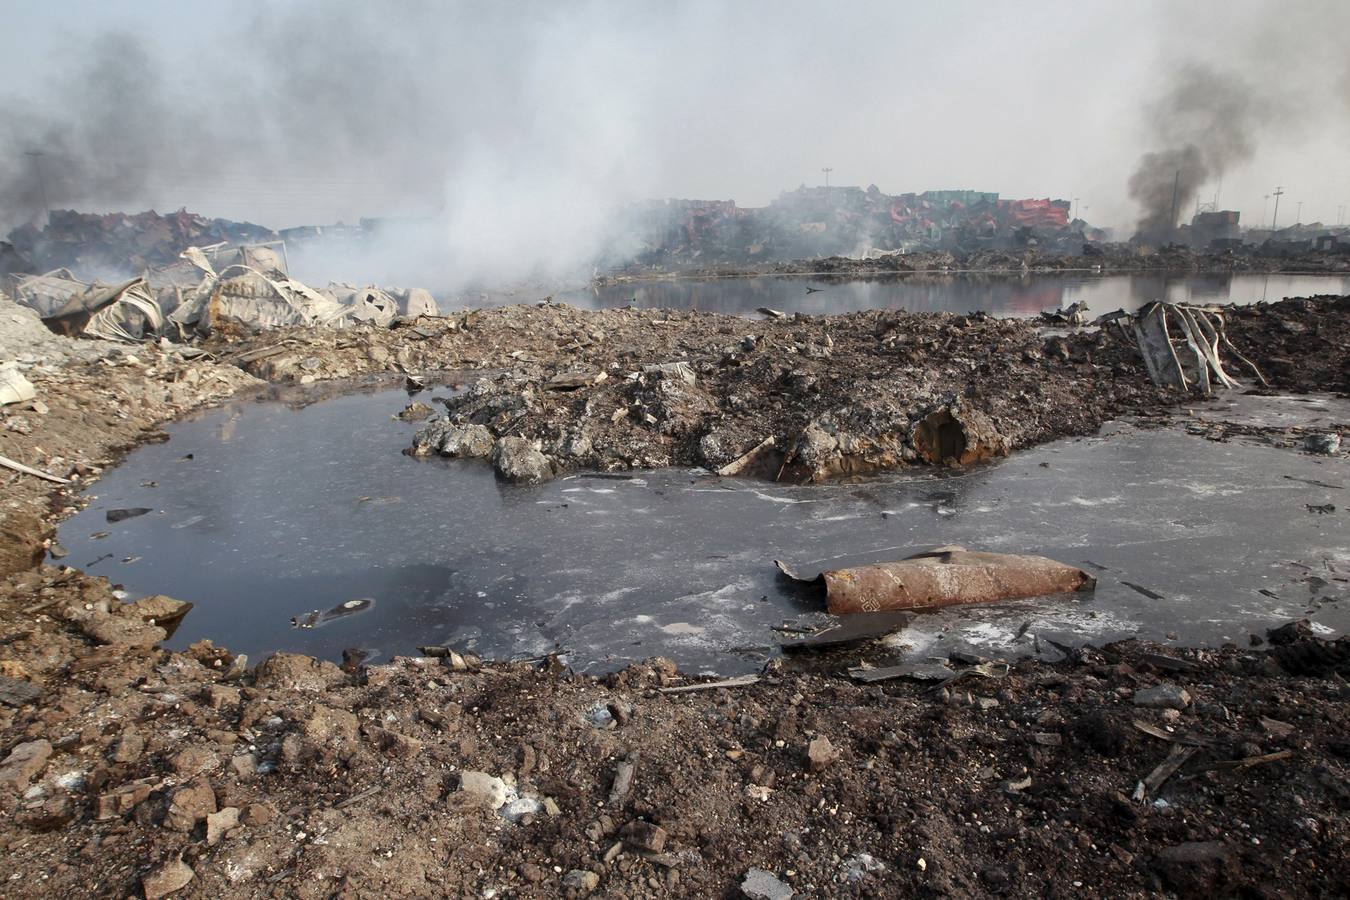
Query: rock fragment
[[623, 778], [124, 799], [220, 822], [55, 812], [192, 761], [484, 789], [821, 754], [416, 412], [466, 442], [325, 724], [518, 809], [516, 460], [120, 631], [645, 835], [24, 762], [189, 805], [16, 691], [1164, 696], [166, 878], [763, 885], [1324, 444], [130, 746], [394, 744], [580, 882], [155, 610], [294, 672]]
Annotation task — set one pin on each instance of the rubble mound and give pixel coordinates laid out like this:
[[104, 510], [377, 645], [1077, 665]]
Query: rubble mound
[[811, 398]]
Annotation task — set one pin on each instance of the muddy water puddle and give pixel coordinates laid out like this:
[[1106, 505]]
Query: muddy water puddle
[[999, 294], [306, 529]]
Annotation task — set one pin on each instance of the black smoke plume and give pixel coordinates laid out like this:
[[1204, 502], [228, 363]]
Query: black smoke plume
[[1205, 124]]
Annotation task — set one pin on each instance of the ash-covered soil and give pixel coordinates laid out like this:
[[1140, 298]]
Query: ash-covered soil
[[299, 779], [125, 768]]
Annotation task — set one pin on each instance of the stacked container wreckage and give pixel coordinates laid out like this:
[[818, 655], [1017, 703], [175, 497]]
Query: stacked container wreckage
[[851, 221], [193, 297]]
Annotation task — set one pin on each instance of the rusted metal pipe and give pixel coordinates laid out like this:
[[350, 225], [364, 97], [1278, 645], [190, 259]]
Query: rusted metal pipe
[[945, 576]]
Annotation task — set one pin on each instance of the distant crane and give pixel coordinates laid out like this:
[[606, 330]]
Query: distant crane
[[827, 170]]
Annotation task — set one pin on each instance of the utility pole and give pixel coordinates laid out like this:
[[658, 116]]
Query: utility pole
[[827, 170], [1340, 215], [1176, 184], [36, 156], [1279, 192], [1074, 213], [1298, 216]]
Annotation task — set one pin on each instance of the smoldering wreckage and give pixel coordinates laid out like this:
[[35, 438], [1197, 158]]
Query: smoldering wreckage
[[1131, 768]]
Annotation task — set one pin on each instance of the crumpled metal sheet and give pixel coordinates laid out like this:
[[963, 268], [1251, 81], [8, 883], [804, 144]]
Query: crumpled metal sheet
[[48, 292], [945, 576], [373, 306], [416, 302], [1189, 361], [126, 312], [246, 296]]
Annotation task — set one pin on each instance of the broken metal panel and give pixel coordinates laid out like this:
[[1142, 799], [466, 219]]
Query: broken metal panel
[[373, 306], [246, 296], [1155, 345], [1201, 331], [126, 312], [1195, 362], [1204, 336], [946, 576], [417, 302], [48, 292], [852, 630]]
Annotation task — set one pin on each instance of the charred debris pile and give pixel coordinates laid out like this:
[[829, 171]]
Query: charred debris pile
[[805, 399], [1141, 768], [93, 246], [129, 278]]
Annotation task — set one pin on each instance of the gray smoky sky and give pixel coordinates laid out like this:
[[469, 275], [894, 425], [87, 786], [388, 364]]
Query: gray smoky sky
[[509, 131]]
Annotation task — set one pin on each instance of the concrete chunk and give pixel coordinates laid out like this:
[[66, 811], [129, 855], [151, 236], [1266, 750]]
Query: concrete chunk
[[1164, 696]]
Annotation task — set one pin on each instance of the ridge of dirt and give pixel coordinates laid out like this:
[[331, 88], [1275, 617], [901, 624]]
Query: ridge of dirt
[[838, 395]]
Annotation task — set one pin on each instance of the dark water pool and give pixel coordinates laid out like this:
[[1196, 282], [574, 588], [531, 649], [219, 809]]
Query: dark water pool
[[1001, 294], [281, 511]]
